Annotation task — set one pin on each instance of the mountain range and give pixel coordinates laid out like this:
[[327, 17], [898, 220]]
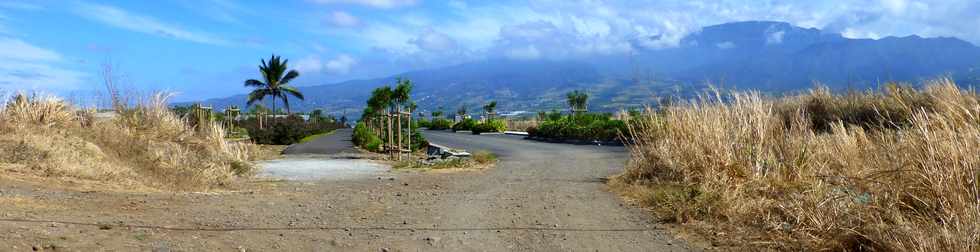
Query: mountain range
[[772, 57]]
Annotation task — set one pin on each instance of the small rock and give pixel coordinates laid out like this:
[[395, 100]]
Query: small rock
[[384, 250]]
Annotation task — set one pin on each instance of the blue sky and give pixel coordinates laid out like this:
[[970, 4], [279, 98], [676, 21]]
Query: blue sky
[[207, 48]]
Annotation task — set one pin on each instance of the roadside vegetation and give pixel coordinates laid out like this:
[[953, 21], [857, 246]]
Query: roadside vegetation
[[145, 145], [895, 170], [386, 124], [579, 125]]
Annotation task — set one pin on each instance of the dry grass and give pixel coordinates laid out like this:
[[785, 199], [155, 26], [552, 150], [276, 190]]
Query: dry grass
[[891, 171], [521, 124], [478, 161], [144, 145]]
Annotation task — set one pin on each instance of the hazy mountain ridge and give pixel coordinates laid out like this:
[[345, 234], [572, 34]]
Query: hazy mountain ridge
[[768, 56]]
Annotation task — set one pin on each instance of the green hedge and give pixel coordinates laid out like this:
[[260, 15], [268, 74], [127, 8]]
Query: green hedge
[[490, 126], [440, 124], [285, 131], [592, 126], [465, 124]]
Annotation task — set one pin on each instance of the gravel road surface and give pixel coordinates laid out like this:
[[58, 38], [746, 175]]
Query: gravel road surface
[[539, 197]]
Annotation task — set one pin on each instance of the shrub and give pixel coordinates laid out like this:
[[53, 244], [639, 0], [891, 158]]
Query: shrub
[[364, 138], [465, 124], [901, 180], [285, 131], [592, 126], [441, 124], [422, 123], [490, 126]]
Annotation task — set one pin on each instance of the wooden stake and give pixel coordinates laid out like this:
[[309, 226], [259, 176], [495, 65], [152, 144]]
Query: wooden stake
[[399, 145], [409, 133]]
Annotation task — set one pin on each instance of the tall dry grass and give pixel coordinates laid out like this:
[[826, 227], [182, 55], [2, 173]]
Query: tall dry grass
[[143, 145], [522, 124], [891, 171]]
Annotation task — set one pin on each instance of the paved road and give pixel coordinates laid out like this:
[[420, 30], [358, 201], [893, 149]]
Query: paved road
[[337, 142], [539, 197]]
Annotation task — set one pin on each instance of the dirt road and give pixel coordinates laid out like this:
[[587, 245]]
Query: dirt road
[[540, 197]]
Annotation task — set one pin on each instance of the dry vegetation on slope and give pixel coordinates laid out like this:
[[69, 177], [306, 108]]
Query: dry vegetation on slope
[[890, 171], [144, 146]]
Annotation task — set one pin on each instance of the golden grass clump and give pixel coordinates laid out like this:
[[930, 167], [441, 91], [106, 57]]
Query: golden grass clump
[[817, 171], [143, 145], [521, 124]]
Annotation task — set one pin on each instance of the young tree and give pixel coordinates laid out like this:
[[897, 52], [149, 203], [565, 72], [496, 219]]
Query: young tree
[[578, 101], [437, 113], [316, 115], [489, 109], [275, 83], [461, 112]]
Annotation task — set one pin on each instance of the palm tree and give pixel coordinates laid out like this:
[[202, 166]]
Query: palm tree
[[489, 108], [578, 101], [275, 83]]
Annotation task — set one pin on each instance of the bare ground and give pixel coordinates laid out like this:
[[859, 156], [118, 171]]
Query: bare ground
[[540, 197]]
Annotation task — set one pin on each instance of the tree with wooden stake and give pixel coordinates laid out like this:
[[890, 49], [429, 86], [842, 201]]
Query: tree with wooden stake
[[411, 107], [461, 112], [400, 98], [315, 116], [578, 101], [259, 112], [488, 110], [231, 115]]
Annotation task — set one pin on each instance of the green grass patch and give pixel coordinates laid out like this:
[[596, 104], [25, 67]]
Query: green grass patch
[[314, 137]]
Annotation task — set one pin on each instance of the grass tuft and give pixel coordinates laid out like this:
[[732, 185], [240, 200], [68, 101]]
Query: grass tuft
[[896, 170], [143, 145]]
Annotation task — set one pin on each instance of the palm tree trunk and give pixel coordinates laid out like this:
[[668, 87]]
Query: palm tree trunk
[[273, 107]]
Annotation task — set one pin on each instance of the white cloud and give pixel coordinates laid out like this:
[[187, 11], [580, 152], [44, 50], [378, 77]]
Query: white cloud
[[310, 64], [383, 4], [28, 67], [725, 45], [457, 4], [120, 18], [342, 19], [529, 52], [341, 64], [775, 38], [558, 29], [15, 49], [431, 40]]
